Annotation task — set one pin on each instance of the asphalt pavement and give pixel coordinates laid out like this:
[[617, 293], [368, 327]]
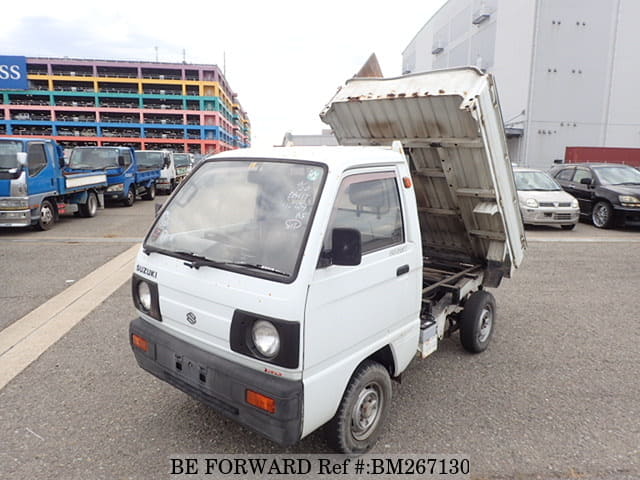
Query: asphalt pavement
[[555, 396]]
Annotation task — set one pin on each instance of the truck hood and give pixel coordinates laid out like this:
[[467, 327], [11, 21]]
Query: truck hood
[[451, 128]]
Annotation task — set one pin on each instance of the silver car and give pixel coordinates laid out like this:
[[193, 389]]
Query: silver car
[[543, 201]]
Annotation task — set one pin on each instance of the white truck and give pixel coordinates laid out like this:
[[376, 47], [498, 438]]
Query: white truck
[[163, 160], [286, 287]]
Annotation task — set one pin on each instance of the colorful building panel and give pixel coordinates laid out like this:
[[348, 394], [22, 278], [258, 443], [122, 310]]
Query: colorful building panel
[[182, 107]]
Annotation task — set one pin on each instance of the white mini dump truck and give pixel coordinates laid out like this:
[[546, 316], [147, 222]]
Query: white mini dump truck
[[286, 287]]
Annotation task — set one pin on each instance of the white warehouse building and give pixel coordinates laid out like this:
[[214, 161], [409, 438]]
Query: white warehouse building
[[566, 70]]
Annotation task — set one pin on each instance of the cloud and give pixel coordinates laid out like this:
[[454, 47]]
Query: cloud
[[284, 59]]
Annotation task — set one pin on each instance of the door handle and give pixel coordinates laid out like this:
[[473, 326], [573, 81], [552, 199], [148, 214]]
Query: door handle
[[402, 270]]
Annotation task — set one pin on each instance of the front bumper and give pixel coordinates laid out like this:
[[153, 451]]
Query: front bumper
[[115, 195], [626, 216], [15, 218], [163, 185], [550, 216], [221, 383]]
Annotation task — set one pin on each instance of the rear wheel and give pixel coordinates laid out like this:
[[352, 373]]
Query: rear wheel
[[365, 404], [90, 208], [150, 194], [476, 321], [602, 215], [131, 197], [47, 216]]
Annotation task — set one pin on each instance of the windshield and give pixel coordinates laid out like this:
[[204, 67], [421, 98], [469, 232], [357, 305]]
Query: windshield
[[247, 216], [150, 159], [539, 181], [9, 155], [618, 175], [181, 159], [94, 158]]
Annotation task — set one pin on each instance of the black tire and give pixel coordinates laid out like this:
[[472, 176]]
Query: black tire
[[47, 216], [90, 208], [131, 197], [477, 321], [602, 215], [367, 395], [150, 192]]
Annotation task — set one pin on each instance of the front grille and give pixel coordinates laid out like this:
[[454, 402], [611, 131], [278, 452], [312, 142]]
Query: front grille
[[563, 216], [552, 204]]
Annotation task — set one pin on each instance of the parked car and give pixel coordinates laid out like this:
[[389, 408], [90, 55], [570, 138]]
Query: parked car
[[543, 201], [608, 193]]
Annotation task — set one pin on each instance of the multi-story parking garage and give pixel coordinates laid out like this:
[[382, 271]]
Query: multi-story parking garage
[[182, 107]]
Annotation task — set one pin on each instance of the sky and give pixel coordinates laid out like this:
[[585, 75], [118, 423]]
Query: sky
[[285, 59]]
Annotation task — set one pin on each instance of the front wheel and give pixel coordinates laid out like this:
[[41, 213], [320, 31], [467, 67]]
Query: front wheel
[[47, 216], [131, 197], [365, 404], [602, 215], [476, 321]]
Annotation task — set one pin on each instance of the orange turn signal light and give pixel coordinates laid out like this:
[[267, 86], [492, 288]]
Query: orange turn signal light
[[260, 401], [406, 181], [140, 342]]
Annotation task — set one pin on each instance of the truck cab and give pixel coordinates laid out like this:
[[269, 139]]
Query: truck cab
[[127, 177], [164, 161], [286, 287], [184, 164], [35, 189]]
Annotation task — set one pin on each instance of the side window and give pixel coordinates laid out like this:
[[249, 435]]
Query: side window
[[371, 204], [566, 174], [127, 157], [582, 173], [36, 158]]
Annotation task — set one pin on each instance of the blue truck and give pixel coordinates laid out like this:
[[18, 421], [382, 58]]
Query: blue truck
[[35, 187], [127, 177]]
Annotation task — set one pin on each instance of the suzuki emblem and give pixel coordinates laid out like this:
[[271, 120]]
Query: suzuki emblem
[[191, 318]]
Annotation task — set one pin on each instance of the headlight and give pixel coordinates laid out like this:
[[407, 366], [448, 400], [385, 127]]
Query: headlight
[[265, 338], [14, 203], [118, 187], [628, 199], [144, 295], [574, 203], [531, 203]]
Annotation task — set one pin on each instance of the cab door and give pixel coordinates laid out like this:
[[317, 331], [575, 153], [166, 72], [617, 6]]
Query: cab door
[[352, 309], [583, 192], [42, 177]]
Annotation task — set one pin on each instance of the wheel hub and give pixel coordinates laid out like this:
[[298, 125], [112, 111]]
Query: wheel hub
[[366, 412], [486, 322]]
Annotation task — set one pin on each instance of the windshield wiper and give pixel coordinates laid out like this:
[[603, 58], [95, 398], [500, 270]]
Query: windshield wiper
[[258, 266], [628, 183], [196, 261]]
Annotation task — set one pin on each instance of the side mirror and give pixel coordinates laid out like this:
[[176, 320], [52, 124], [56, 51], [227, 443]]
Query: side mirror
[[346, 246], [22, 158], [586, 181]]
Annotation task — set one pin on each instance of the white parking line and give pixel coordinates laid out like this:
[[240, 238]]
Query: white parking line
[[25, 340]]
